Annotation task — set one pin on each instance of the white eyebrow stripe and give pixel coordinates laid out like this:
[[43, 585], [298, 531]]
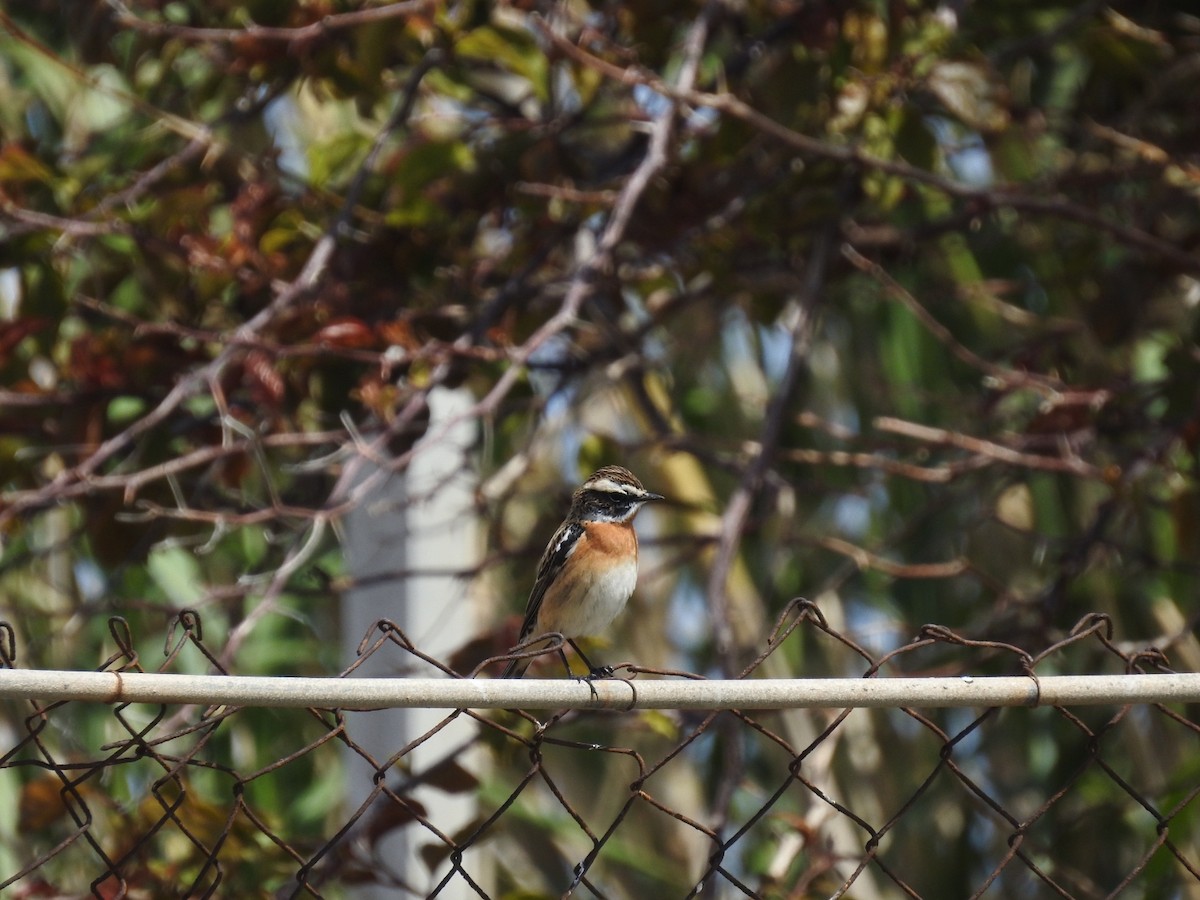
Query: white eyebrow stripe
[[608, 486]]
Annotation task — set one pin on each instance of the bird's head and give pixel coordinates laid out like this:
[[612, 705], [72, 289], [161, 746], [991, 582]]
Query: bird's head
[[611, 494]]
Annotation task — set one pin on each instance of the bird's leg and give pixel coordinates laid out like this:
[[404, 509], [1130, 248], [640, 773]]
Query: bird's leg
[[593, 671], [562, 654]]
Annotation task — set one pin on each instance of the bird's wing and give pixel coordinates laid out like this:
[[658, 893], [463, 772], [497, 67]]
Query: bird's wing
[[558, 551]]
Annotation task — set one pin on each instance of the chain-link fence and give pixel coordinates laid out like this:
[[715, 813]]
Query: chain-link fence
[[132, 799]]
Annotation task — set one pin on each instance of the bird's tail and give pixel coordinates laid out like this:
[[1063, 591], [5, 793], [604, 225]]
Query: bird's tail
[[515, 669]]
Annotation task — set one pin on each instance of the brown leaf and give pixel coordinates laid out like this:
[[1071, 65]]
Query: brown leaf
[[399, 333], [387, 815], [494, 642], [347, 332], [95, 362], [450, 777], [41, 804], [264, 381], [435, 854], [12, 333], [377, 395]]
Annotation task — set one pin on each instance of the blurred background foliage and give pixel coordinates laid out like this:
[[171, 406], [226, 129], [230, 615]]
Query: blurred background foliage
[[915, 285]]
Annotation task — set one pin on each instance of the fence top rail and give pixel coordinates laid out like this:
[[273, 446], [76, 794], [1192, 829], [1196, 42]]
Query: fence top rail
[[613, 693]]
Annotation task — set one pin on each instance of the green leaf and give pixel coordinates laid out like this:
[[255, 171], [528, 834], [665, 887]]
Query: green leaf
[[515, 51], [177, 574]]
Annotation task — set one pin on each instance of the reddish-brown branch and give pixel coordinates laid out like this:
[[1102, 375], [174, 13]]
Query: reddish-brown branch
[[321, 27], [73, 480], [1009, 378], [1034, 198]]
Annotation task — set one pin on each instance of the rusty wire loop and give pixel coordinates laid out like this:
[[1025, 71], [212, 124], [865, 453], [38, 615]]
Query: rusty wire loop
[[154, 782]]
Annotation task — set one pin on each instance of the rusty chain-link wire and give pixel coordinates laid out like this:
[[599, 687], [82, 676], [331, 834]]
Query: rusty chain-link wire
[[145, 800]]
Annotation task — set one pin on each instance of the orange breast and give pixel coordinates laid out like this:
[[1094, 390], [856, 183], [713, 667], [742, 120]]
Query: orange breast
[[593, 586], [611, 539]]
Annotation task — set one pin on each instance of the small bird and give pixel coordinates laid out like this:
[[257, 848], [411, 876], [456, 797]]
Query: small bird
[[589, 568]]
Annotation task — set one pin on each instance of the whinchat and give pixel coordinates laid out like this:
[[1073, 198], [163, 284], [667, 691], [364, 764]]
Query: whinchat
[[589, 568]]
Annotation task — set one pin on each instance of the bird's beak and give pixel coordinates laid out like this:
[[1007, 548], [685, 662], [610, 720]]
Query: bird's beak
[[647, 497]]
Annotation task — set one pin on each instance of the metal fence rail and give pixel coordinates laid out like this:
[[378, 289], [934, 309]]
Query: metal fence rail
[[133, 783], [614, 693]]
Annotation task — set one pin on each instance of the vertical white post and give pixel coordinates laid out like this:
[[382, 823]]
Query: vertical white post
[[423, 522]]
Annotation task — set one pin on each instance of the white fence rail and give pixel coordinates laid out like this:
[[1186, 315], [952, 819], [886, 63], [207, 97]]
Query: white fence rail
[[613, 693]]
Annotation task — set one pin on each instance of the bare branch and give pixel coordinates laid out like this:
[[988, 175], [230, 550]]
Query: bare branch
[[991, 450], [865, 559], [1009, 378], [320, 28], [798, 318], [198, 379], [939, 474], [1013, 197]]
